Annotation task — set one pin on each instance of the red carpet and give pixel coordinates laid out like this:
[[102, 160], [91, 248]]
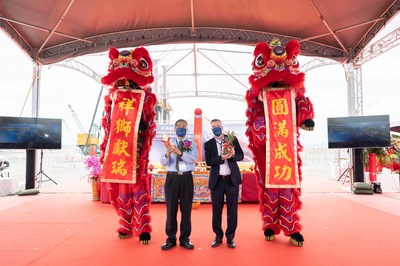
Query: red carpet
[[62, 226]]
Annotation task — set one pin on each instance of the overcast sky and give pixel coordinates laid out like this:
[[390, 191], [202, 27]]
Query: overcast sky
[[325, 86]]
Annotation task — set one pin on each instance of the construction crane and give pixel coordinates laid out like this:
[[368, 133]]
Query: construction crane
[[78, 122], [83, 138]]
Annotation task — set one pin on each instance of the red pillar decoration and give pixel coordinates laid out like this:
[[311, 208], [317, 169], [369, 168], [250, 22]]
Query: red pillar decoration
[[372, 166], [198, 123], [93, 150]]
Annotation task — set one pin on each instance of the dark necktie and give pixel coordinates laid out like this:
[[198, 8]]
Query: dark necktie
[[178, 158], [220, 146]]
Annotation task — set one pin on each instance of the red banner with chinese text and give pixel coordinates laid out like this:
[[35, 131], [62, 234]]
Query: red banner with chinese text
[[120, 157], [281, 144]]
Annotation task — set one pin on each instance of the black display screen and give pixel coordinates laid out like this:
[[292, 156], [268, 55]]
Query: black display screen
[[30, 133], [359, 131]]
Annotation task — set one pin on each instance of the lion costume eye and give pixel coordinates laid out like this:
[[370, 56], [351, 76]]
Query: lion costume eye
[[295, 61], [144, 64], [259, 62]]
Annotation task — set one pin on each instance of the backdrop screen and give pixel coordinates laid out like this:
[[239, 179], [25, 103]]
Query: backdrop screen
[[359, 131], [30, 133]]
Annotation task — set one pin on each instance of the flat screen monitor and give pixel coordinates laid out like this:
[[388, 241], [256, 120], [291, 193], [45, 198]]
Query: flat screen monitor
[[30, 133], [359, 132]]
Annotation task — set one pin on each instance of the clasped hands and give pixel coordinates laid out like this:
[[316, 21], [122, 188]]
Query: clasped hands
[[228, 155], [173, 149]]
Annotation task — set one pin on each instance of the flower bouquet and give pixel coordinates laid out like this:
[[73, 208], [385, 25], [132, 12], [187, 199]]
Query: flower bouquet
[[187, 144], [228, 147], [167, 141], [93, 165]]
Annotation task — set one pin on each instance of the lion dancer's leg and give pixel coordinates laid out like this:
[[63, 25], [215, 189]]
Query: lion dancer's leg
[[132, 205], [141, 196], [269, 198], [121, 200], [269, 207], [290, 221], [141, 210]]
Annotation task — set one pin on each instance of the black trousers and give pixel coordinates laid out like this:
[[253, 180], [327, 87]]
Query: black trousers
[[223, 188], [179, 192]]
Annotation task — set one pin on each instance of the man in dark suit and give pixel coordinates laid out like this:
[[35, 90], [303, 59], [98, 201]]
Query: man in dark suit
[[222, 153]]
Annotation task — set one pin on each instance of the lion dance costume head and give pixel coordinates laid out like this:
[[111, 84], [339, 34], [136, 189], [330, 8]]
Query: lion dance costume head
[[277, 108], [276, 64], [129, 129], [134, 65]]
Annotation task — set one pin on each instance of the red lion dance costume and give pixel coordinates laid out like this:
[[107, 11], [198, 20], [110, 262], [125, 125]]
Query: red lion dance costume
[[129, 130], [277, 108]]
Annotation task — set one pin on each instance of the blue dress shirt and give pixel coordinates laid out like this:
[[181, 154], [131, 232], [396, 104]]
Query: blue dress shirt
[[188, 158]]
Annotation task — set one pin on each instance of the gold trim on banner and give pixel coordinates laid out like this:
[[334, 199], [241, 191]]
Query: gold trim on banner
[[268, 138], [135, 137]]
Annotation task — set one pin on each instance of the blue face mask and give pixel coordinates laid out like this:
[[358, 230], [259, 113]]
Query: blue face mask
[[181, 131], [217, 131]]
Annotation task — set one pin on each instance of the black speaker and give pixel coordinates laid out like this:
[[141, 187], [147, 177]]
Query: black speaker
[[30, 170], [358, 166]]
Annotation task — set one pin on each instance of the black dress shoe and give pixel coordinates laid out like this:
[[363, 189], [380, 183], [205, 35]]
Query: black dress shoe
[[187, 245], [167, 246], [216, 242], [231, 244]]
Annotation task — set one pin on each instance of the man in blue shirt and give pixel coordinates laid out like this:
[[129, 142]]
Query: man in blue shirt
[[179, 157]]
